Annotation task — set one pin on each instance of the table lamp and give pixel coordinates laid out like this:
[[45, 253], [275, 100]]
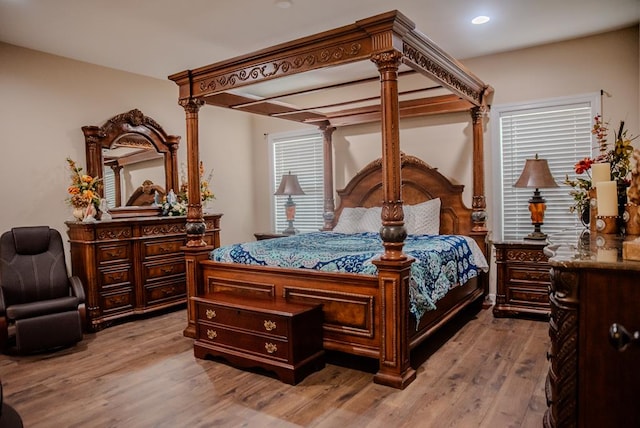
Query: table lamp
[[536, 175], [289, 185]]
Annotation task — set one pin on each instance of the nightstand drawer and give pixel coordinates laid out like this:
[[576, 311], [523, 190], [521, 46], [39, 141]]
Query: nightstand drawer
[[537, 277], [263, 346]]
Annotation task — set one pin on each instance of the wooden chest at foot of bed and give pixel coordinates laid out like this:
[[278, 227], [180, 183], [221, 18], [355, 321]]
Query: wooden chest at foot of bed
[[272, 334]]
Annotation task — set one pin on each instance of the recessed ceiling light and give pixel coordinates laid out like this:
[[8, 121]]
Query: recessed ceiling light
[[284, 4], [480, 20]]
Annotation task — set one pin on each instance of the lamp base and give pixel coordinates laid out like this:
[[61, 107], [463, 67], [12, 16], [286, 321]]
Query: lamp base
[[536, 236], [290, 231]]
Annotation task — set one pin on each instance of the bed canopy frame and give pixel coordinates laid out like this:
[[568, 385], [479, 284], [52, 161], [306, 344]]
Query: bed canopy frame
[[373, 53]]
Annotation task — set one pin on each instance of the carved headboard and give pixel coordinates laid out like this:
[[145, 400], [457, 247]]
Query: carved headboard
[[420, 183]]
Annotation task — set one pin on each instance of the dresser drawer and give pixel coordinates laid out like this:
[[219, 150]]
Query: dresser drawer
[[117, 301], [114, 253], [259, 322], [244, 342], [162, 270], [160, 293], [162, 248], [115, 277]]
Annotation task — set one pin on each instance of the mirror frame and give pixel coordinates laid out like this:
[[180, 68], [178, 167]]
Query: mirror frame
[[132, 123]]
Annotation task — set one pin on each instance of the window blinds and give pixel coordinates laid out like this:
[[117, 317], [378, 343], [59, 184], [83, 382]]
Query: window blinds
[[559, 133], [300, 155]]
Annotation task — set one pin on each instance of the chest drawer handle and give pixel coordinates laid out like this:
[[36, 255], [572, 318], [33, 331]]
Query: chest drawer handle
[[211, 334], [269, 325], [620, 338], [210, 313], [270, 347]]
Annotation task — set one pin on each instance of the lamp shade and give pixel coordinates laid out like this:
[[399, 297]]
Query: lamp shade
[[289, 185], [536, 174]]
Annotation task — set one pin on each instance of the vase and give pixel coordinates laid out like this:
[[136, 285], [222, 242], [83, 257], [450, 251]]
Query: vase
[[79, 212], [585, 216], [621, 186]]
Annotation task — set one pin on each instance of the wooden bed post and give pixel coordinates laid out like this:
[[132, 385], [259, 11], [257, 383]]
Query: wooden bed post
[[195, 249], [393, 266], [479, 204], [329, 204]]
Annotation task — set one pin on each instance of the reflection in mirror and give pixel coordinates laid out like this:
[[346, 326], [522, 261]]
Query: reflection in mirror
[[135, 158], [132, 169]]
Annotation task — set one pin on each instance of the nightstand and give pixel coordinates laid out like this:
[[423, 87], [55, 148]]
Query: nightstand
[[523, 278], [268, 235]]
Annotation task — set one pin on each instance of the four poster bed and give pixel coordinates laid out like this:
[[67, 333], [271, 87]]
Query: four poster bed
[[368, 314]]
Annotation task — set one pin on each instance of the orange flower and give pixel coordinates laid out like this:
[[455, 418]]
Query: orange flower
[[86, 178], [73, 190]]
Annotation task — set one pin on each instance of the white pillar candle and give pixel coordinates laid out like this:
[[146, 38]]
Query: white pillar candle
[[607, 196], [607, 255], [600, 172]]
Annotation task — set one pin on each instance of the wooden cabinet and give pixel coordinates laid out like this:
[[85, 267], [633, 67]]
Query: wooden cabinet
[[132, 266], [522, 280], [594, 378], [275, 335]]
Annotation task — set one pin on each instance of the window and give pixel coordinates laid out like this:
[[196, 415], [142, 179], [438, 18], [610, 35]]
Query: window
[[299, 154], [557, 130]]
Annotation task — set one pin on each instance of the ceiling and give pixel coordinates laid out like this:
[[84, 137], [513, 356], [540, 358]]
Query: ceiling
[[161, 37]]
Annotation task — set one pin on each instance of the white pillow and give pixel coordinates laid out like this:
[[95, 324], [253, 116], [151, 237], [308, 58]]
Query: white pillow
[[371, 220], [359, 219], [349, 220], [423, 218]]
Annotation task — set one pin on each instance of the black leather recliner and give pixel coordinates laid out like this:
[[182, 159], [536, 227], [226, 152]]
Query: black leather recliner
[[42, 306]]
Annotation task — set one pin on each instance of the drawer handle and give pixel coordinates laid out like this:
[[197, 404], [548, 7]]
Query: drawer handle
[[620, 338], [211, 334], [270, 347], [269, 325], [210, 313], [164, 250], [114, 254], [167, 269]]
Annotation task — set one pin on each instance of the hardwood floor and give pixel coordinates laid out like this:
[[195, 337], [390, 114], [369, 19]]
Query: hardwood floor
[[486, 373]]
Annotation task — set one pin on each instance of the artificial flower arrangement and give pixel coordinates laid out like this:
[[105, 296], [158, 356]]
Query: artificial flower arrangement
[[175, 205], [84, 188], [618, 157]]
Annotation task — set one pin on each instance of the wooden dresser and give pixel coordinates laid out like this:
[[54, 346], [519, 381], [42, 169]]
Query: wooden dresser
[[272, 334], [594, 378], [132, 265], [522, 278]]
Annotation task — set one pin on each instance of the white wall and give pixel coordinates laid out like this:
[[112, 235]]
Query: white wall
[[46, 100]]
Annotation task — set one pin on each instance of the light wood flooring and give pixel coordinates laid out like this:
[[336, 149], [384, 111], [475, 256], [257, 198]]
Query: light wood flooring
[[486, 372]]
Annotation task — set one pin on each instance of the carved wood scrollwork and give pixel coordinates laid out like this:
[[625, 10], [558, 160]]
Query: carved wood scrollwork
[[564, 361]]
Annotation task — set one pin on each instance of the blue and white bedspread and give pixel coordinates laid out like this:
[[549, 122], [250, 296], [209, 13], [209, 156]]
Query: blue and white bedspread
[[441, 261]]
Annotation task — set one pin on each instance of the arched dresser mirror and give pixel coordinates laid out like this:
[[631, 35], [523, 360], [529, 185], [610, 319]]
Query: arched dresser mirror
[[142, 157]]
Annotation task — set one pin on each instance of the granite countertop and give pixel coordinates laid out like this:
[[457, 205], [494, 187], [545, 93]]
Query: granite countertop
[[590, 250]]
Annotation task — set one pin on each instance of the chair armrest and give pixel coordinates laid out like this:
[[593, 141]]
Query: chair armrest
[[76, 288]]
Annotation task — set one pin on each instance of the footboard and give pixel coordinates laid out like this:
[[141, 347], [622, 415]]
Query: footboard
[[364, 315]]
